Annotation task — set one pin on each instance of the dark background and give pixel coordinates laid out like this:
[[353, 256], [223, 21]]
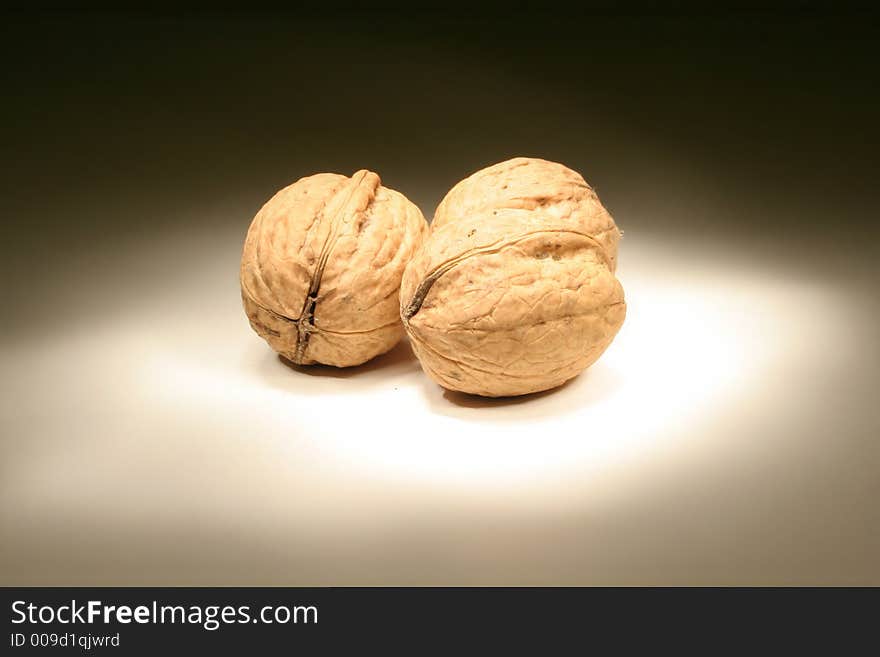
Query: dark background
[[138, 146], [759, 126]]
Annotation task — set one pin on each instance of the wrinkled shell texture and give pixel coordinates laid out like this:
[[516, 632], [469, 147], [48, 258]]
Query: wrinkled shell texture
[[322, 264], [514, 291]]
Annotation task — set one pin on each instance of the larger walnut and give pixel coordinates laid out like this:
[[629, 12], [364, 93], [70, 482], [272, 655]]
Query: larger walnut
[[321, 268], [514, 290]]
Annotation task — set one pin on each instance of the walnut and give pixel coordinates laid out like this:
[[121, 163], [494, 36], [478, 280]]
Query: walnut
[[321, 268], [514, 290]]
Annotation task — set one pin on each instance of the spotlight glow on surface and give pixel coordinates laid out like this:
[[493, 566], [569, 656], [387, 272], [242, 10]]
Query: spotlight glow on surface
[[158, 433]]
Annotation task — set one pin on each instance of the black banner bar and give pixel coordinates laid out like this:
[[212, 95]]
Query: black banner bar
[[149, 620]]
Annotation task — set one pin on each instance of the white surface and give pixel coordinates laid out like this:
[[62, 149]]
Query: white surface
[[718, 440]]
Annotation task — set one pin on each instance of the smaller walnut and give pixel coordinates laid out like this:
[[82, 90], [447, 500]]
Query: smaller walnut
[[514, 290], [321, 268]]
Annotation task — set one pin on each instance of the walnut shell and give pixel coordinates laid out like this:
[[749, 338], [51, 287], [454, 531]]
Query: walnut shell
[[514, 290], [321, 268]]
